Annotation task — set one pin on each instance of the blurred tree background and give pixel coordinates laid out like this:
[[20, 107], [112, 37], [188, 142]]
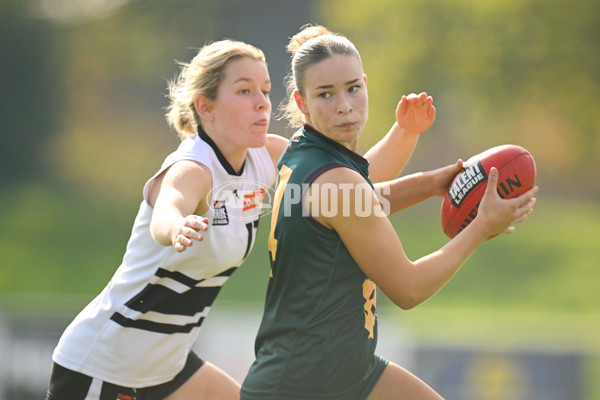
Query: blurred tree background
[[82, 128], [524, 72]]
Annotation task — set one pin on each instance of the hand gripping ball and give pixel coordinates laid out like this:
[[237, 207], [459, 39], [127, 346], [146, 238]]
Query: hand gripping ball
[[517, 173]]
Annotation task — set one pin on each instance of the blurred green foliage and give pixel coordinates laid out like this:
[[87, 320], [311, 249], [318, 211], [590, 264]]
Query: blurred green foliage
[[521, 71], [83, 99]]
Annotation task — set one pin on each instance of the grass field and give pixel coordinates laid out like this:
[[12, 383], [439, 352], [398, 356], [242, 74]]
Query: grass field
[[63, 243], [536, 287]]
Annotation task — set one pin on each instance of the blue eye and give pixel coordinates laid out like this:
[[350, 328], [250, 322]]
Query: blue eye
[[325, 95], [353, 89]]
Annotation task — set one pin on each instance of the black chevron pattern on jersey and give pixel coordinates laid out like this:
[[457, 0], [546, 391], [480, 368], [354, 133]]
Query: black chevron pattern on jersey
[[161, 299], [152, 326]]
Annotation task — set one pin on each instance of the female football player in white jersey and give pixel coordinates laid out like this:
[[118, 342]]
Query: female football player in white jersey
[[196, 224]]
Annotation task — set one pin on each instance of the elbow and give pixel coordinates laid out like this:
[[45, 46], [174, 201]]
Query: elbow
[[159, 240], [407, 304], [408, 299], [158, 236]]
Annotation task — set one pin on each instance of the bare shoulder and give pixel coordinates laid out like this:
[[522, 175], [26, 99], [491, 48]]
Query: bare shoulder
[[275, 146], [186, 172], [185, 176]]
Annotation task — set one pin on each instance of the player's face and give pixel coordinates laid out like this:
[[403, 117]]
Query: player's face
[[242, 108], [335, 100]]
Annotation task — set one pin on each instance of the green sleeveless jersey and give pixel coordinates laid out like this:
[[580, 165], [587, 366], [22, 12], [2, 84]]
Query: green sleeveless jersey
[[318, 334]]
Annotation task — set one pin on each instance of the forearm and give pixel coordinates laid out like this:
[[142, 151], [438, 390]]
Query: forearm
[[433, 271], [179, 203], [406, 191], [389, 156], [163, 221]]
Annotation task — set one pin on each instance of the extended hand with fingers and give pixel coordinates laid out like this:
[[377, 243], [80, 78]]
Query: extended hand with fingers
[[185, 232], [501, 215], [415, 113]]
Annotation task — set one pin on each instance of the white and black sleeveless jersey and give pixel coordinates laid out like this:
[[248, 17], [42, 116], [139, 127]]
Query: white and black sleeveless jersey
[[139, 330]]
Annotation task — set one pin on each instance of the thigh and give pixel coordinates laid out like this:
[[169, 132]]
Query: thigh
[[208, 383], [398, 383]]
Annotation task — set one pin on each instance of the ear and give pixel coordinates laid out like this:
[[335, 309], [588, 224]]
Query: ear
[[365, 79], [204, 107], [300, 102]]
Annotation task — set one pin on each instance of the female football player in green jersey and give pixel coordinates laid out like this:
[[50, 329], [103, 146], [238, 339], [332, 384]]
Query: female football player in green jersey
[[331, 245]]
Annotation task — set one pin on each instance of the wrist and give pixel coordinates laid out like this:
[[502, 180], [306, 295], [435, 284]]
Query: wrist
[[431, 185], [480, 228], [407, 132]]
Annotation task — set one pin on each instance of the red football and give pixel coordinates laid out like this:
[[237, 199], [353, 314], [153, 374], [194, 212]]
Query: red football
[[517, 174]]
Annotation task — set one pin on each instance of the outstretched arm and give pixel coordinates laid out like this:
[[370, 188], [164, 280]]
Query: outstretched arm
[[414, 115], [378, 251], [409, 190], [179, 197]]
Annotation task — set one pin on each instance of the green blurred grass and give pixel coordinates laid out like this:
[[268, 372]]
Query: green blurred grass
[[56, 241], [537, 287], [551, 263]]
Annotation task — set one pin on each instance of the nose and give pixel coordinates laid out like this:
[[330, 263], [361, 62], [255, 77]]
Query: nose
[[344, 106], [263, 102]]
